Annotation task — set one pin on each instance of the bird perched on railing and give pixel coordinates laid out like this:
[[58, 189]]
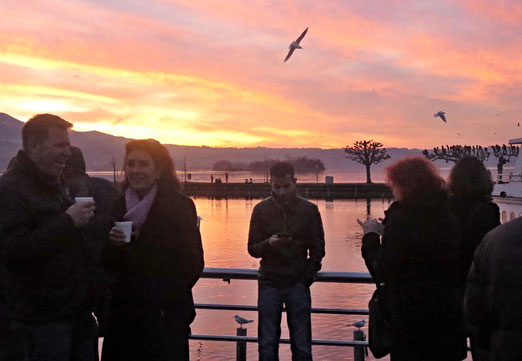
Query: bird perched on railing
[[358, 324], [242, 321]]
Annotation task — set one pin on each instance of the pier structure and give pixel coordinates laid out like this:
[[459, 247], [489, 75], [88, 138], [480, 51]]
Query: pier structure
[[307, 190], [227, 274]]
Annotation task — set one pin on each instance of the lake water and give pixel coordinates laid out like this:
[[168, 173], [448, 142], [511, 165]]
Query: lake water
[[224, 231]]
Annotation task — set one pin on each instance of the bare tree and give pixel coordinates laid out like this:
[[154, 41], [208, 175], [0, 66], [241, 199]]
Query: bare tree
[[367, 152], [113, 166], [503, 153], [454, 152]]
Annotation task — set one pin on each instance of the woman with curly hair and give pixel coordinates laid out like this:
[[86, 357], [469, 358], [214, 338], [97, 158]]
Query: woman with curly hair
[[417, 259]]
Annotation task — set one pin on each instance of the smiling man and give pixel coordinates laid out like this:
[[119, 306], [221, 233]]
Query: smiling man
[[286, 232], [48, 271]]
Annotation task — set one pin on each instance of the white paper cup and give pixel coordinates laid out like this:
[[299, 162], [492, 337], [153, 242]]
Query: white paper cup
[[126, 227], [81, 200]]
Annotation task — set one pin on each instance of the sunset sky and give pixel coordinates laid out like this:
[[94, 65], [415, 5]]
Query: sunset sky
[[212, 73]]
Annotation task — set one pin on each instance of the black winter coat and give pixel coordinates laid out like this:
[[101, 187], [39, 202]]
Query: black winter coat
[[475, 218], [298, 261], [49, 268], [493, 300], [419, 262], [154, 275]]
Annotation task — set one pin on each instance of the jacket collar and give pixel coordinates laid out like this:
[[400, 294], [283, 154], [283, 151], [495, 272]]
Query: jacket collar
[[22, 163], [291, 203]]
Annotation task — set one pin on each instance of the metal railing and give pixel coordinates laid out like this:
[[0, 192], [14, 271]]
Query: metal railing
[[227, 274]]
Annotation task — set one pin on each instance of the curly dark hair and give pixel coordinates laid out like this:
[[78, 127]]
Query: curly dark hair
[[161, 158], [414, 178], [470, 179]]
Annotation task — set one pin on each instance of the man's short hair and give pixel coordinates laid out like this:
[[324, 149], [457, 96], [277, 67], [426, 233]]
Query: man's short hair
[[38, 127], [281, 169]]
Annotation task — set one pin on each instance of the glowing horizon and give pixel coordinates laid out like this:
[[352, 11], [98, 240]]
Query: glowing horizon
[[206, 73]]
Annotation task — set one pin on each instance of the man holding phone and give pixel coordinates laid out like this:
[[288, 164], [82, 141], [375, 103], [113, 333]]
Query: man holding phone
[[286, 232]]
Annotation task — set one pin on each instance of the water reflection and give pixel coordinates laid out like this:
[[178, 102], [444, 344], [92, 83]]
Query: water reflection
[[225, 234]]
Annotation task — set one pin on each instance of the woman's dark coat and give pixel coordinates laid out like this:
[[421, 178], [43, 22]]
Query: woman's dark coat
[[152, 305], [419, 262], [475, 217]]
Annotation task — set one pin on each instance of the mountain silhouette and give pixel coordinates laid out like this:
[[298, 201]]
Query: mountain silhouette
[[100, 148]]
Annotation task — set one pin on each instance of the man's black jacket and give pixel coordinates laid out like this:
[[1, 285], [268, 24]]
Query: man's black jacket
[[296, 261], [49, 269]]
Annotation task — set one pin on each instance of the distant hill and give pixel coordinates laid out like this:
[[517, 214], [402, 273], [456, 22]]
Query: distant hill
[[99, 148]]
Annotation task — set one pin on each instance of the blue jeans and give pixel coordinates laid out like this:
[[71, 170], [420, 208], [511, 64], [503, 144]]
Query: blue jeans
[[298, 305], [61, 341]]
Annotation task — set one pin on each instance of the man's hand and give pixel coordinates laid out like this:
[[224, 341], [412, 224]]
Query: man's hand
[[371, 226], [117, 237], [81, 213], [278, 241]]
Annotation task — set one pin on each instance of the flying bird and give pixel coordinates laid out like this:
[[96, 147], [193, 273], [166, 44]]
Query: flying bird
[[442, 116], [295, 45], [358, 324], [242, 321]]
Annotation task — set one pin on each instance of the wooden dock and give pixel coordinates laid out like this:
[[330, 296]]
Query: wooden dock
[[307, 190]]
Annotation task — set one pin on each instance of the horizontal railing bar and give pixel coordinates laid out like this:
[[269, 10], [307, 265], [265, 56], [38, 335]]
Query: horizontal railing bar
[[228, 274], [283, 340], [336, 311]]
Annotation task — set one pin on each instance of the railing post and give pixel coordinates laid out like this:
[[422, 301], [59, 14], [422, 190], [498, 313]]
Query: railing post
[[358, 351], [241, 345]]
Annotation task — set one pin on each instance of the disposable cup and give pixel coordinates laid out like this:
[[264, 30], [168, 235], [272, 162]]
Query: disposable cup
[[80, 200], [126, 227]]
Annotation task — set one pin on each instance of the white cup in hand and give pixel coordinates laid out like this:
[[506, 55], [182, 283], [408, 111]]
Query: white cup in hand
[[80, 200], [126, 228]]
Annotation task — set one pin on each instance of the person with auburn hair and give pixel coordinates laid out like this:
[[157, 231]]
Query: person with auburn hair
[[415, 253], [151, 308]]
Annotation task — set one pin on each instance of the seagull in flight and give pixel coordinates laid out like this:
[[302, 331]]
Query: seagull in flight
[[242, 321], [440, 114], [295, 45]]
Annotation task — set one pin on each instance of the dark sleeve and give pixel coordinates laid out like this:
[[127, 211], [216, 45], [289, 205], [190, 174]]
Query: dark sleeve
[[191, 251], [486, 217], [316, 248], [257, 239], [114, 258], [22, 242], [371, 244], [475, 306]]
